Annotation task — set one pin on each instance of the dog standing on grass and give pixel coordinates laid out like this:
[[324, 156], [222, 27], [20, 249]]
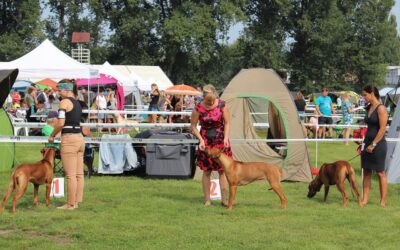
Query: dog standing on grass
[[331, 174], [242, 173], [38, 173]]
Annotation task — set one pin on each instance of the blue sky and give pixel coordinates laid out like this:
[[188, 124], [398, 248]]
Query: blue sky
[[234, 31]]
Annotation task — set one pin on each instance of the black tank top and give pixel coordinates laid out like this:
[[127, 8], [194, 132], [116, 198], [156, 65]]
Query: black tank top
[[154, 98], [73, 118]]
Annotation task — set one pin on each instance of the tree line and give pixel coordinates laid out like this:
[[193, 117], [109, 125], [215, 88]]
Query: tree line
[[341, 44]]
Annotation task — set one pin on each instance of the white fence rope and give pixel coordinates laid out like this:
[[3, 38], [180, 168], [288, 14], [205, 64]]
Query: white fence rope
[[42, 139], [133, 124], [110, 125], [135, 112]]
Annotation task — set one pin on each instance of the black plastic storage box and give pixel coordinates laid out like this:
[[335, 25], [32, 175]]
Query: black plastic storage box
[[169, 160]]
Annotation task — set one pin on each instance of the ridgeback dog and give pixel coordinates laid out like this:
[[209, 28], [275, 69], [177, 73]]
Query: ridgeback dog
[[331, 174], [242, 173], [38, 173]]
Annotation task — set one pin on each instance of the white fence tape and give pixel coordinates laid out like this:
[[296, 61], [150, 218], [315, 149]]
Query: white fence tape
[[166, 125], [135, 112], [96, 140], [110, 125]]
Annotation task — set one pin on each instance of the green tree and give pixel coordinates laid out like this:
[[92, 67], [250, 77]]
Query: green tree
[[192, 37], [66, 17], [341, 44], [20, 27], [263, 43]]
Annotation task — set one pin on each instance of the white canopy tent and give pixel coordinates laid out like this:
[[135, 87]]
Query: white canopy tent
[[146, 75], [47, 61], [384, 91], [393, 149], [129, 84]]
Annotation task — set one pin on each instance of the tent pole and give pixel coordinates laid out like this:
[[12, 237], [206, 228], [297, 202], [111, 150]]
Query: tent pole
[[316, 146]]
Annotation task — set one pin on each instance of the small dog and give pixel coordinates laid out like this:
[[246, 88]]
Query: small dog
[[331, 174], [121, 120], [242, 173], [38, 173]]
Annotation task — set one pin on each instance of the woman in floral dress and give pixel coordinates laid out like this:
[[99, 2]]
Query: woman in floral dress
[[214, 120]]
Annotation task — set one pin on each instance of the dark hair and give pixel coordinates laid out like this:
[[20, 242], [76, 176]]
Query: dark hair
[[372, 89]]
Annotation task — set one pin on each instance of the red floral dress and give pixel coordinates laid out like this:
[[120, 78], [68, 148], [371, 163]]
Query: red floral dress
[[211, 119]]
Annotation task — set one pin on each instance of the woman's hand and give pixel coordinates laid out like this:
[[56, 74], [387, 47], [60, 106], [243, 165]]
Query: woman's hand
[[202, 145], [370, 148], [51, 139], [226, 142]]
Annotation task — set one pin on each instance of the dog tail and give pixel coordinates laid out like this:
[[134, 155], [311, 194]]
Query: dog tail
[[10, 189]]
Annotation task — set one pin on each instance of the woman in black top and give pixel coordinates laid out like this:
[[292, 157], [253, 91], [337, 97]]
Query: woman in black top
[[301, 109], [72, 143], [155, 96], [374, 148]]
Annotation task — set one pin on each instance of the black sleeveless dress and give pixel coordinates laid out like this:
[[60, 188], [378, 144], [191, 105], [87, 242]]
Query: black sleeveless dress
[[375, 160]]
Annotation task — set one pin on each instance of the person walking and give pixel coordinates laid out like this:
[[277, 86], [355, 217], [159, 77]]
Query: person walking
[[374, 147], [153, 106], [31, 102], [347, 110], [301, 109], [112, 104], [72, 143], [213, 116], [325, 109]]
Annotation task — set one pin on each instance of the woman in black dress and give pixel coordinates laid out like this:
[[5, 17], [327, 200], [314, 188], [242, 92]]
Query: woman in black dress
[[374, 146]]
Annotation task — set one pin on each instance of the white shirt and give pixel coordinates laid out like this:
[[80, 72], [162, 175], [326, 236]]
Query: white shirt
[[102, 101]]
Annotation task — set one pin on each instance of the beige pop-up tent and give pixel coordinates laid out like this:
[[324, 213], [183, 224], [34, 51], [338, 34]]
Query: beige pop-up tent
[[259, 96]]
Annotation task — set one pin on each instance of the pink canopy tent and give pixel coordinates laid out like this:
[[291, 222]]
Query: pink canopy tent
[[105, 80]]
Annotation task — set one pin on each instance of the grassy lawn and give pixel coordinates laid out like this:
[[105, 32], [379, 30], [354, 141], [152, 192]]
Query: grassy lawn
[[125, 212]]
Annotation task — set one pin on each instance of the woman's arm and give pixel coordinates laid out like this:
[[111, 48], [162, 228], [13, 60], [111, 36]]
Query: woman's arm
[[194, 119], [28, 102], [383, 116], [227, 125]]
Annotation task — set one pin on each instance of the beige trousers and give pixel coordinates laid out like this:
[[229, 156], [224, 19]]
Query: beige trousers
[[72, 149]]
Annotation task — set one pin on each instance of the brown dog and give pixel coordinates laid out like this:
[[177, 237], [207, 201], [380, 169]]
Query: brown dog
[[38, 173], [331, 174], [242, 173]]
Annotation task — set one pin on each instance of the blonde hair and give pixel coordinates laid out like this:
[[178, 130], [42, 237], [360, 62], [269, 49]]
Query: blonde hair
[[162, 94], [299, 95], [346, 95], [30, 89], [209, 89]]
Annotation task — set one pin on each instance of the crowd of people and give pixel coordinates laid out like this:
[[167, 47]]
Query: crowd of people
[[323, 114], [210, 123], [158, 100]]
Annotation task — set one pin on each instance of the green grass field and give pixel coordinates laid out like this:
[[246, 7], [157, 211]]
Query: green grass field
[[124, 212]]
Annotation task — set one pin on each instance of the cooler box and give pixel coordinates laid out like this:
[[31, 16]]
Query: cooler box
[[169, 160]]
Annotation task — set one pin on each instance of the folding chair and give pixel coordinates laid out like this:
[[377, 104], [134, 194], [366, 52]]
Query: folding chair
[[58, 164]]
